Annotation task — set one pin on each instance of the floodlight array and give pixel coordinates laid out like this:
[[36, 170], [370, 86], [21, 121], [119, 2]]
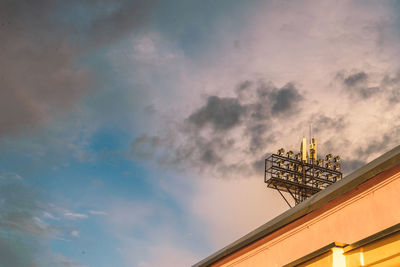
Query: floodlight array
[[287, 172]]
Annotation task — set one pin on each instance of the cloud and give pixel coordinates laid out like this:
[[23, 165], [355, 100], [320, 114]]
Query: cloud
[[10, 177], [358, 85], [380, 144], [73, 215], [350, 165], [325, 121], [43, 70], [285, 99], [97, 212], [24, 226], [21, 210], [207, 138], [40, 75], [16, 253], [62, 261], [356, 79], [391, 83], [380, 86], [50, 216], [145, 146], [75, 233], [292, 44], [221, 113], [125, 17], [230, 136]]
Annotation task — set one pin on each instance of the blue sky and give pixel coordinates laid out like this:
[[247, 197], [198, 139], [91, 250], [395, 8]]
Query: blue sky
[[133, 133]]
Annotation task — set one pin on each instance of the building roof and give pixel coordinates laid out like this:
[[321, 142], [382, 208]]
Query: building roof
[[393, 230], [366, 172]]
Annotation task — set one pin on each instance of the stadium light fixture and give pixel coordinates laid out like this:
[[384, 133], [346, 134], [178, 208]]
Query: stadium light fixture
[[301, 174]]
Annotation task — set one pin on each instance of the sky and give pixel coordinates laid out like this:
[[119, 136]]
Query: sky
[[134, 133]]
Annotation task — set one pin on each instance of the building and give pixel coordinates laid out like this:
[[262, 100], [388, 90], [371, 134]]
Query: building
[[354, 222]]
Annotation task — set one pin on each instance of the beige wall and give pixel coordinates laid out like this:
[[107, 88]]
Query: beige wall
[[325, 259], [365, 210]]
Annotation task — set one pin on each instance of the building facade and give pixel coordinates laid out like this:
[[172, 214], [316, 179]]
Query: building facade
[[354, 222]]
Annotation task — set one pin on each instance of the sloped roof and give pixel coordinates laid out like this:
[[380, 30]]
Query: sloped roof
[[366, 172]]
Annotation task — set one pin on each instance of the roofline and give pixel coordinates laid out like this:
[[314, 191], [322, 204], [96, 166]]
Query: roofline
[[395, 229], [315, 254], [366, 172]]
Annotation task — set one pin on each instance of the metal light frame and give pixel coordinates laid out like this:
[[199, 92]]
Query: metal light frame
[[299, 178]]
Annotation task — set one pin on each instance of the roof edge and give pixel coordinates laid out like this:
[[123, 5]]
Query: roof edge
[[316, 253], [395, 229], [359, 176]]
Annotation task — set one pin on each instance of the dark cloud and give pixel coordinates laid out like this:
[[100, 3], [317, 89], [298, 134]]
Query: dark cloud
[[258, 111], [38, 71], [257, 140], [285, 100], [259, 164], [323, 122], [210, 157], [357, 85], [391, 83], [243, 87], [196, 151], [16, 253], [128, 17], [264, 90], [375, 146], [42, 46], [369, 91], [260, 137], [259, 106], [356, 79], [210, 152], [220, 113], [243, 128], [240, 124], [225, 113], [252, 109], [270, 101], [200, 152], [336, 145], [244, 90], [350, 165]]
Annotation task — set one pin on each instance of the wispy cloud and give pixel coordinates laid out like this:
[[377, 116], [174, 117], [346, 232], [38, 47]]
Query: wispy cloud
[[26, 223], [75, 233], [50, 216], [146, 235], [74, 215], [97, 212], [61, 260]]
